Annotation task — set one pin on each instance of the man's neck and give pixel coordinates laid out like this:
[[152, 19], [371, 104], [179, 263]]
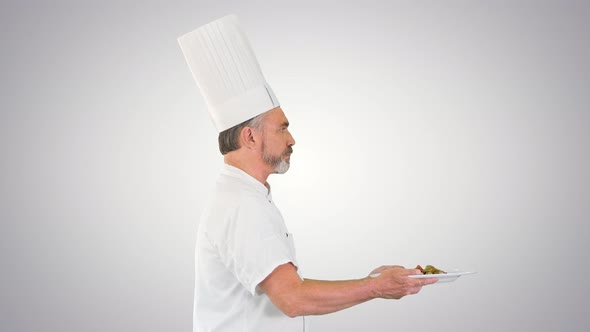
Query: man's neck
[[259, 173]]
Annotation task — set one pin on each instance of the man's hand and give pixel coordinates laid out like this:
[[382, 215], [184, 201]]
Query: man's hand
[[392, 282]]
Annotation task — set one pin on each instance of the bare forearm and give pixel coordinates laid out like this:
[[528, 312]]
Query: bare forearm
[[318, 297], [296, 297]]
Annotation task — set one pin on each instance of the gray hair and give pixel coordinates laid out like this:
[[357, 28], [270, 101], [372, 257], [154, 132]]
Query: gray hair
[[229, 139]]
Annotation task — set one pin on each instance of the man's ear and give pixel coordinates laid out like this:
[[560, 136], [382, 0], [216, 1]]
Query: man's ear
[[248, 137]]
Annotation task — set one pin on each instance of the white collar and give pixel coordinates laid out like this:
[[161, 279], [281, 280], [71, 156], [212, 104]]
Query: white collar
[[238, 173]]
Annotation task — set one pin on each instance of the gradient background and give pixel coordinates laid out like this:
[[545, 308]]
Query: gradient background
[[453, 133]]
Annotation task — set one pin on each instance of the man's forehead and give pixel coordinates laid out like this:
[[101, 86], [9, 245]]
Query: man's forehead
[[276, 116]]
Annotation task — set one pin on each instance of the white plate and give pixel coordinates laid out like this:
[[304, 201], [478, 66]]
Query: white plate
[[443, 277]]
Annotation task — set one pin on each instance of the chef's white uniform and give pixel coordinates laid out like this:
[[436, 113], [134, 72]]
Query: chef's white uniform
[[241, 239]]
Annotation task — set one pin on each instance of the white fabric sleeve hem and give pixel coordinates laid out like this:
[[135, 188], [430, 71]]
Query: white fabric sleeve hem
[[254, 289]]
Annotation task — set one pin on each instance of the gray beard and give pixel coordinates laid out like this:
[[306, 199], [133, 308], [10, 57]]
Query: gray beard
[[279, 165], [282, 167]]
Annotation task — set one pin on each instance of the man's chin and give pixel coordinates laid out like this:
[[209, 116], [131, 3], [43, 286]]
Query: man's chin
[[282, 168]]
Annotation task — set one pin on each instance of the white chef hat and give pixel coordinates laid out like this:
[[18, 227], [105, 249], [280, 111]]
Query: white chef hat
[[227, 72]]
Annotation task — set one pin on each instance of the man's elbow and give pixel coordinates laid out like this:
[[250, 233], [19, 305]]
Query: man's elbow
[[293, 308], [284, 287]]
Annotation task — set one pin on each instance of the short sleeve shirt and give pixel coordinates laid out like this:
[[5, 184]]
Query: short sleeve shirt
[[241, 239]]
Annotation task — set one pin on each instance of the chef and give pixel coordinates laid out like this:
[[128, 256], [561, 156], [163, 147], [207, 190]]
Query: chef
[[246, 270]]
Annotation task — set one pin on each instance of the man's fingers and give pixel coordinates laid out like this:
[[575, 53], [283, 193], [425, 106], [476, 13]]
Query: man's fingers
[[429, 281], [416, 271]]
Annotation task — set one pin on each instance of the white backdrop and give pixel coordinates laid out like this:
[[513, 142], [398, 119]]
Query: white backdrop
[[453, 133]]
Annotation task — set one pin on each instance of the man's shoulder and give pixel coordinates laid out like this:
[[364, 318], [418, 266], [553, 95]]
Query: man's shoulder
[[229, 197], [236, 209]]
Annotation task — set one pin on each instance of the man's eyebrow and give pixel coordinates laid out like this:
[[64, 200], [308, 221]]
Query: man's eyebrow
[[285, 124]]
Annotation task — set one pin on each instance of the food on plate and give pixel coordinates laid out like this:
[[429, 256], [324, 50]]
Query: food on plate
[[429, 269]]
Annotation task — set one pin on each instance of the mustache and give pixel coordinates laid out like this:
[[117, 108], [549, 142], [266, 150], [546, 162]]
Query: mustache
[[289, 150]]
